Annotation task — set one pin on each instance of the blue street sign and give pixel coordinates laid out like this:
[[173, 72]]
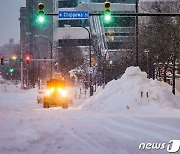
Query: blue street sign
[[73, 14]]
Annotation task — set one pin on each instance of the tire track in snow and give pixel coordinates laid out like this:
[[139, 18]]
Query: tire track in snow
[[135, 130], [163, 131]]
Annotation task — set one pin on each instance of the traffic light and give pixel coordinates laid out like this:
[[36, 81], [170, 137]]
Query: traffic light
[[2, 60], [41, 15], [11, 70], [27, 59], [107, 12]]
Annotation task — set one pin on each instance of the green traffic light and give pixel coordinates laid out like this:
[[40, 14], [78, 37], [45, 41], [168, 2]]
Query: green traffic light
[[107, 16], [11, 70], [41, 18]]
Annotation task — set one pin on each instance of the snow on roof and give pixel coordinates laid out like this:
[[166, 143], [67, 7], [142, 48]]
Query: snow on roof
[[125, 93]]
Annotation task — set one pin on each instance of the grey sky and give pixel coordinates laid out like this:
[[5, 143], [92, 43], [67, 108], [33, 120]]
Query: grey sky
[[9, 20]]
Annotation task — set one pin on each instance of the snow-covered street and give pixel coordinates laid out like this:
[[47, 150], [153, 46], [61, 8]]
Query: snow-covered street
[[26, 127]]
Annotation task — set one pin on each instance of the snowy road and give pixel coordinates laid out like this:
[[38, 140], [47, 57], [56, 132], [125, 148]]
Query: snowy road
[[25, 127]]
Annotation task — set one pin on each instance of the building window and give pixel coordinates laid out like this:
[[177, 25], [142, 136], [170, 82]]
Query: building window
[[121, 22], [67, 4], [74, 3]]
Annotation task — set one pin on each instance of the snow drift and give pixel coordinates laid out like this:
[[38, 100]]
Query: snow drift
[[5, 88], [133, 91]]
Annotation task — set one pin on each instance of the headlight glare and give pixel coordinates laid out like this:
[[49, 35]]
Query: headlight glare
[[48, 92], [62, 92]]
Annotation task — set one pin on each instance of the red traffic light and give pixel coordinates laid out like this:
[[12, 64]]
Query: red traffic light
[[2, 60], [27, 59]]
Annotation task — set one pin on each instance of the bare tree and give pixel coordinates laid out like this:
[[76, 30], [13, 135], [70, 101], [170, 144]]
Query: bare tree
[[69, 57], [159, 35]]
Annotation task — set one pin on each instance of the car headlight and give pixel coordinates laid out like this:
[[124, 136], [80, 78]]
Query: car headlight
[[62, 92], [48, 92], [52, 89]]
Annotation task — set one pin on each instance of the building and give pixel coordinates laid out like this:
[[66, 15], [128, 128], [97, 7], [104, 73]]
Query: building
[[39, 47], [71, 31], [36, 39], [113, 41], [117, 37], [23, 27], [10, 49]]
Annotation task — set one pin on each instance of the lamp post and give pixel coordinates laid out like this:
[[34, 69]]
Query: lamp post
[[51, 45], [90, 80]]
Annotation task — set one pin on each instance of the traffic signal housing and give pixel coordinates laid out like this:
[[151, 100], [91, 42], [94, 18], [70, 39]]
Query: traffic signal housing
[[2, 60], [41, 15], [107, 12], [27, 59], [41, 8]]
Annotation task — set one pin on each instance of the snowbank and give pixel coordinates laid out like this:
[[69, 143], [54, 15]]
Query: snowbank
[[178, 83], [134, 91], [4, 88]]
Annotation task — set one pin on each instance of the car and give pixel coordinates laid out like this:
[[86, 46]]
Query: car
[[56, 94]]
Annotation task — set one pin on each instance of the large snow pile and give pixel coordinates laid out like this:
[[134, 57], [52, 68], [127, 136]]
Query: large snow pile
[[133, 91], [178, 83]]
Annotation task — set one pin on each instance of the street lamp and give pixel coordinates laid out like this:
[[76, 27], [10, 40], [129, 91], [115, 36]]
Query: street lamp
[[51, 45], [90, 84]]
